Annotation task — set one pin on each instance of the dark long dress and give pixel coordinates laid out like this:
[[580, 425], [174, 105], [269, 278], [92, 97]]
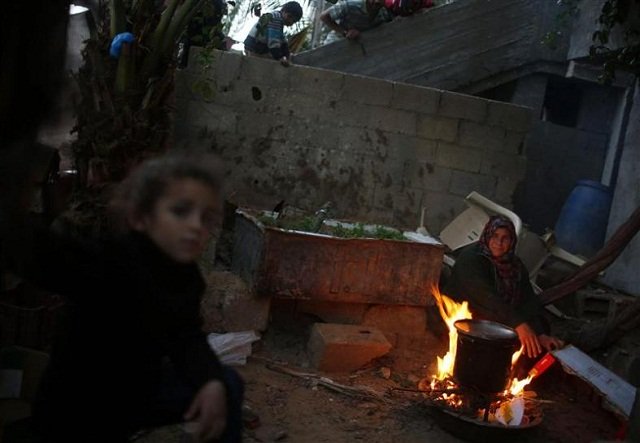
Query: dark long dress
[[473, 279]]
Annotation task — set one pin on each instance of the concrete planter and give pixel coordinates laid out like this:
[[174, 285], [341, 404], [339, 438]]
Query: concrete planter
[[308, 266]]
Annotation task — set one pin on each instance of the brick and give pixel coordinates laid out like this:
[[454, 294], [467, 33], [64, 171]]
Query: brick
[[462, 106], [456, 157], [229, 305], [508, 116], [345, 348], [480, 135], [318, 83], [370, 91], [403, 320], [462, 183], [503, 165], [415, 98], [438, 128]]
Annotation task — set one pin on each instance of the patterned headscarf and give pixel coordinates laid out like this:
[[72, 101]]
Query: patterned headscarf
[[508, 267]]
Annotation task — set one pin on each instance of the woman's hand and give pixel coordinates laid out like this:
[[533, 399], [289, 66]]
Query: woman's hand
[[550, 343], [529, 340], [209, 408]]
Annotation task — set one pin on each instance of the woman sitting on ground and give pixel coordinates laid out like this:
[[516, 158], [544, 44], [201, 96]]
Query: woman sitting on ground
[[495, 282]]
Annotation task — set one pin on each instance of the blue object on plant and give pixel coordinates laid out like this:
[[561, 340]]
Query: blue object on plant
[[118, 40]]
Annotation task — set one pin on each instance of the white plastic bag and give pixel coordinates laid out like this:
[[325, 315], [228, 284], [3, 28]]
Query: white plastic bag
[[233, 348]]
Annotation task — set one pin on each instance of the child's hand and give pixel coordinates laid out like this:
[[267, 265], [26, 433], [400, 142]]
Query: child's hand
[[209, 408], [285, 61]]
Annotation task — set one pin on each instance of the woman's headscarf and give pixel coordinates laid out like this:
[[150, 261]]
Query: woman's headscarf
[[508, 267]]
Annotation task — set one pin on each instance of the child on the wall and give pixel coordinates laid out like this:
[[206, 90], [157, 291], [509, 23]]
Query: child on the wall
[[133, 354], [266, 38]]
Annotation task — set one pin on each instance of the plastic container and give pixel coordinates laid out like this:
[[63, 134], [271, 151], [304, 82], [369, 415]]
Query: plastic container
[[582, 224]]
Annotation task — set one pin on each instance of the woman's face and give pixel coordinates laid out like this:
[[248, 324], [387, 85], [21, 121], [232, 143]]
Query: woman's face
[[500, 242]]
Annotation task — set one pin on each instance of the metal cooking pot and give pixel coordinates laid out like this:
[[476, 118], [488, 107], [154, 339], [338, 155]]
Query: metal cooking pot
[[483, 357]]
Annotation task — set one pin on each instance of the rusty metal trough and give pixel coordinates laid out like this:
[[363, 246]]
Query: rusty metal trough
[[308, 266]]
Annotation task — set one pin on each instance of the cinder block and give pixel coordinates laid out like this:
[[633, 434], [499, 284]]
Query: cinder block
[[427, 175], [503, 165], [228, 67], [514, 143], [504, 190], [438, 128], [463, 106], [415, 98], [212, 115], [319, 83], [456, 157], [393, 120], [404, 202], [350, 113], [370, 91], [481, 135], [263, 71], [403, 320], [345, 348], [509, 116], [441, 207], [462, 183]]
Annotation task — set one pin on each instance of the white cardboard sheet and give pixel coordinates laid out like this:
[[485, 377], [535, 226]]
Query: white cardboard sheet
[[619, 393]]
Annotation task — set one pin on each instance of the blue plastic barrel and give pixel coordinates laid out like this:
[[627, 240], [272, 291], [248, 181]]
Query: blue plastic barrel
[[582, 225]]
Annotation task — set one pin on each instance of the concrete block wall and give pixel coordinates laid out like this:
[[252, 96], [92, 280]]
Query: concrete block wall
[[380, 150]]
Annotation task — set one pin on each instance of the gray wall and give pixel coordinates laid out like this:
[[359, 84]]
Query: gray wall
[[624, 273], [380, 150]]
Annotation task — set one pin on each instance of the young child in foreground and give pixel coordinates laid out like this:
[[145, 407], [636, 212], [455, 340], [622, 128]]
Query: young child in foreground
[[133, 354], [267, 36]]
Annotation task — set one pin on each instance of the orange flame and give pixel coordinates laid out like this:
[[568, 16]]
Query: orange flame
[[517, 386], [451, 312]]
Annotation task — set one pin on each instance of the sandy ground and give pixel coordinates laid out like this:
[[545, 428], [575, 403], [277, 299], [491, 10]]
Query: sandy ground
[[295, 409]]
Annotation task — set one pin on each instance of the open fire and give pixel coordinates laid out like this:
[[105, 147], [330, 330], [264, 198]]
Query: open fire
[[508, 407]]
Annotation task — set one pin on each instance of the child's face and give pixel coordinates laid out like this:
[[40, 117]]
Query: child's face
[[182, 219], [289, 19]]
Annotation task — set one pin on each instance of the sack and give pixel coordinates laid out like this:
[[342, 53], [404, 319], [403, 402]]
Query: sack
[[233, 348]]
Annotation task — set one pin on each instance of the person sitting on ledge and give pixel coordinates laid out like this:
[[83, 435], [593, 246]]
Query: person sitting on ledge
[[267, 36], [495, 282], [348, 18]]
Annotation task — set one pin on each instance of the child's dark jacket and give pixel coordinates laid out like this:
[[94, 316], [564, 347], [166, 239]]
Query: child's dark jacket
[[131, 308]]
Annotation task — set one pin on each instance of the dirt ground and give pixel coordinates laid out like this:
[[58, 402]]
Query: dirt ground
[[294, 409]]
